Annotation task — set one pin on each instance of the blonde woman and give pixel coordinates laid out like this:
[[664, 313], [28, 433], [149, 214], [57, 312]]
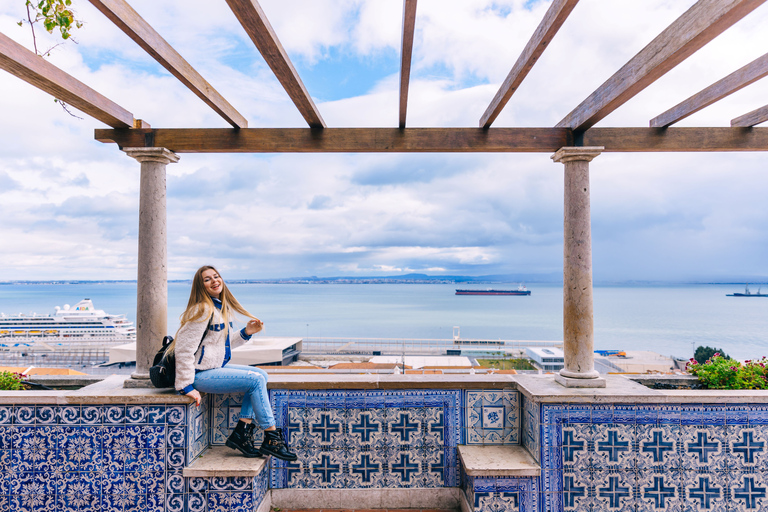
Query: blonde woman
[[204, 365]]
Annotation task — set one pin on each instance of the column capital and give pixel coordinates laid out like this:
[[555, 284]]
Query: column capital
[[576, 153], [158, 155]]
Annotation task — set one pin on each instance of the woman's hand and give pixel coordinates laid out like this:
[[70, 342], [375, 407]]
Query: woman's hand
[[253, 327], [196, 395]]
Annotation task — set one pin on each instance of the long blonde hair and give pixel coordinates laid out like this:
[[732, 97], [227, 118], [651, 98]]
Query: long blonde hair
[[200, 303]]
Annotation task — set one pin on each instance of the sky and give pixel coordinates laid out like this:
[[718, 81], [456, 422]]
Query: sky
[[69, 204]]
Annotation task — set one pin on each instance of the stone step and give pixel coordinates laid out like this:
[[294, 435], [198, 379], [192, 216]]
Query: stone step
[[220, 461], [498, 461]]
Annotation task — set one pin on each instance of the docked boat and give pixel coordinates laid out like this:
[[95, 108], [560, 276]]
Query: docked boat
[[747, 293], [521, 290], [81, 325]]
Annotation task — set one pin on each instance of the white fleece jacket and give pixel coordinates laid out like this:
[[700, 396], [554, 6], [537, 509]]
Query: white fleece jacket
[[211, 352]]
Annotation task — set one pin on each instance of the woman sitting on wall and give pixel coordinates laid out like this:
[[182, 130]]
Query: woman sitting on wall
[[203, 349]]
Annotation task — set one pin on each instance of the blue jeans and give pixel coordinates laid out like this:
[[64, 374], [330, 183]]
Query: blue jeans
[[237, 378]]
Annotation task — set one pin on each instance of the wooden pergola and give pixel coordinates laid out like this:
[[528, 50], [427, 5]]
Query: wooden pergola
[[575, 140]]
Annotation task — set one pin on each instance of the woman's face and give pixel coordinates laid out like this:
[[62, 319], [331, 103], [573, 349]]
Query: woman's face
[[212, 282]]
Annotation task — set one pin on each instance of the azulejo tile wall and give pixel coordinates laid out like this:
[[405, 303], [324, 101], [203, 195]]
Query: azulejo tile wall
[[655, 457], [377, 438], [97, 457]]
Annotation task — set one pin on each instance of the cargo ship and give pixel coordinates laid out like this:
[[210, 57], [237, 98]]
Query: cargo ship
[[521, 290], [747, 293]]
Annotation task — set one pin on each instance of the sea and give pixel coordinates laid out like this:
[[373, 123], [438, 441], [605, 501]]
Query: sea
[[671, 320]]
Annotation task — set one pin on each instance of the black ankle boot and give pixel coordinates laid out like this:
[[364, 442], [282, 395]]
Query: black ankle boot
[[242, 439], [274, 444]]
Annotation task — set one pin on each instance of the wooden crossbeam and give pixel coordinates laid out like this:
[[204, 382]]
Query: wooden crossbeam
[[345, 140], [737, 80], [704, 21], [256, 25], [35, 70], [129, 21], [556, 15], [438, 140], [406, 51], [752, 118]]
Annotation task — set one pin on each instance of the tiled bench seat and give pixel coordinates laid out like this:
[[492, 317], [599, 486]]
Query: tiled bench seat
[[501, 477]]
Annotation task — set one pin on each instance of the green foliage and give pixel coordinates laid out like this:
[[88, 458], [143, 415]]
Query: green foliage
[[11, 381], [703, 354], [53, 14], [506, 364], [721, 373]]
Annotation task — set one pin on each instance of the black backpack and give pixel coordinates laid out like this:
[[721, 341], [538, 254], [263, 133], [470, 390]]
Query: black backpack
[[163, 370]]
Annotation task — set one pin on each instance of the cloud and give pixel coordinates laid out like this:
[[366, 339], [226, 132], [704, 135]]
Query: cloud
[[70, 203]]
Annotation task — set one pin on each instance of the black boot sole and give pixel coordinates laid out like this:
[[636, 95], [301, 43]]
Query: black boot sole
[[265, 451], [232, 445]]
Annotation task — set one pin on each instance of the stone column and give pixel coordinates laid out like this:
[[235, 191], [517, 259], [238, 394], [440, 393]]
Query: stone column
[[578, 321], [152, 293]]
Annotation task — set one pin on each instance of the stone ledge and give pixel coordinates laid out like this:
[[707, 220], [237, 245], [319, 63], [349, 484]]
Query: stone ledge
[[500, 460], [222, 461], [367, 499]]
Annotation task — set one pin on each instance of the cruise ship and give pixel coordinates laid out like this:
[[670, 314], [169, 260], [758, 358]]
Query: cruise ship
[[77, 327]]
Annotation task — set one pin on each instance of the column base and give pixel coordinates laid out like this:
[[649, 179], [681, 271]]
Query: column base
[[568, 382], [138, 382]]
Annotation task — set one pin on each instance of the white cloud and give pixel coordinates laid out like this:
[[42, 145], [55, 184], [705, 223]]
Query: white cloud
[[69, 204]]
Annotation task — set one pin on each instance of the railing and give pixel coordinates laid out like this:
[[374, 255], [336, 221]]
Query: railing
[[418, 346]]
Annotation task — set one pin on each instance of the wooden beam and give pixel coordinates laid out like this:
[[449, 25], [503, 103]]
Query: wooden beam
[[556, 15], [704, 21], [437, 140], [406, 51], [751, 119], [663, 140], [35, 70], [737, 80], [256, 25], [344, 140], [129, 21]]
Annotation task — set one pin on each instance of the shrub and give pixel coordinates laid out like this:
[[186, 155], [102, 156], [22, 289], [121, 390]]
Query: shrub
[[721, 373], [11, 381], [702, 354]]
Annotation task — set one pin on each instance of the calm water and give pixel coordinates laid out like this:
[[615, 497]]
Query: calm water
[[670, 320]]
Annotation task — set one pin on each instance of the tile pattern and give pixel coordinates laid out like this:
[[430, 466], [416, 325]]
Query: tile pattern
[[226, 494], [655, 457], [224, 415], [501, 494], [83, 458], [529, 411], [369, 439], [492, 417]]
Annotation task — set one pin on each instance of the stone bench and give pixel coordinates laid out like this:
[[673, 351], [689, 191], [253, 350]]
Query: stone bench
[[498, 477]]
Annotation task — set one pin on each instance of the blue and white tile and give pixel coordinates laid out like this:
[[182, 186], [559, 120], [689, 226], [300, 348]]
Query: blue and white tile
[[46, 415], [575, 447], [658, 446], [69, 415], [748, 490], [614, 447], [24, 414], [91, 414], [114, 414], [659, 491], [703, 447], [705, 491], [614, 490]]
